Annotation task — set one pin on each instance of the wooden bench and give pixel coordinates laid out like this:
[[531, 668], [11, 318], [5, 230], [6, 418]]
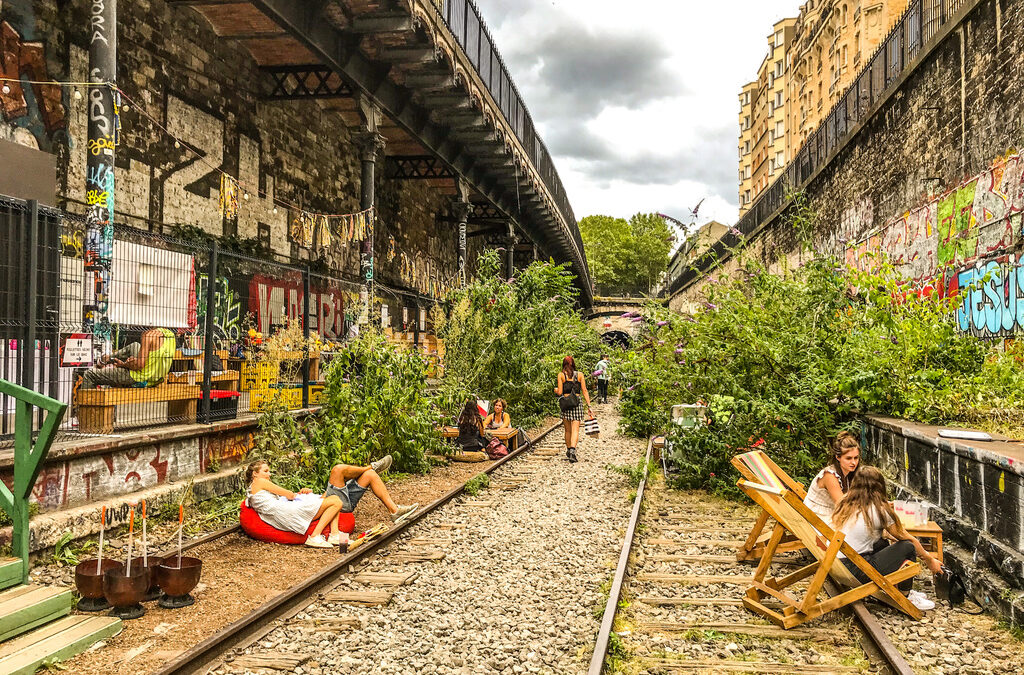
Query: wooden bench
[[96, 406], [226, 380], [504, 435]]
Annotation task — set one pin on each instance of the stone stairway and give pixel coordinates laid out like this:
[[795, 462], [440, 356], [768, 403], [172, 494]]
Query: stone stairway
[[36, 625]]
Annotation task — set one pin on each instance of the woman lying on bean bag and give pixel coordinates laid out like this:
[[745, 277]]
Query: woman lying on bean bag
[[293, 512]]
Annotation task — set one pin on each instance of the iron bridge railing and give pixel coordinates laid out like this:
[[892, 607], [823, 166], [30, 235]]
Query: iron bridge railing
[[465, 23], [921, 22]]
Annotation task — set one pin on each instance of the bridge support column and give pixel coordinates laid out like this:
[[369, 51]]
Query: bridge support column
[[371, 146], [460, 212], [510, 251]]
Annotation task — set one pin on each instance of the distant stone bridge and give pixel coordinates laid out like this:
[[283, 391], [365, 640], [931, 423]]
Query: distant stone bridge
[[605, 316]]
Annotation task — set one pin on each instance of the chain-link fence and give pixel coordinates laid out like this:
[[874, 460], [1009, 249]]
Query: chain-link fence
[[135, 329]]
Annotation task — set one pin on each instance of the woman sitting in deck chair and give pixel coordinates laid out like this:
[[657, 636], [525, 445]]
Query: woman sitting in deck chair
[[832, 482], [862, 514]]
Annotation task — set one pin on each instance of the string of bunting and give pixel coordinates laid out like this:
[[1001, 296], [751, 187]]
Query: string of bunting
[[309, 229]]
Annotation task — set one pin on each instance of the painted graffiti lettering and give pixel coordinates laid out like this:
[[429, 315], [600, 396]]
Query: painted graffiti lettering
[[993, 298], [19, 58], [99, 28], [227, 310], [271, 301]]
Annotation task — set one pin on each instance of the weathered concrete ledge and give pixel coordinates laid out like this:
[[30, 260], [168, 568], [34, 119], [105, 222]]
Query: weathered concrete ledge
[[977, 492], [46, 529], [84, 471]]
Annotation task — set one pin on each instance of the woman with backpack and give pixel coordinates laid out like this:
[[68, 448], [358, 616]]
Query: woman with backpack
[[569, 388]]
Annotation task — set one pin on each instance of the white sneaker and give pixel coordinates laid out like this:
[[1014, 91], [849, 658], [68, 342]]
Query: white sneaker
[[382, 464], [339, 539], [317, 541], [403, 513], [920, 600]]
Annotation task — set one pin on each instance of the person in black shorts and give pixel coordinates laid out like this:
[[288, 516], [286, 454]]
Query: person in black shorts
[[349, 482]]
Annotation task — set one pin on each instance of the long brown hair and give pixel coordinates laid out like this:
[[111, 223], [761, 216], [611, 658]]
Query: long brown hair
[[251, 470], [867, 496], [568, 366], [470, 416], [843, 443]]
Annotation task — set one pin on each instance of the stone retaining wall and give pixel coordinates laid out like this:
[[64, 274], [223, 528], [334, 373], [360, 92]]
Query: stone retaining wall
[[977, 493]]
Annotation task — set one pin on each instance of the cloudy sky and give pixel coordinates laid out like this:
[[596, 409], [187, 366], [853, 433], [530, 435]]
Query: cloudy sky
[[637, 100]]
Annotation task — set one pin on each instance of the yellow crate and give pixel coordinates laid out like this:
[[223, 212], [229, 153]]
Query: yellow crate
[[258, 375]]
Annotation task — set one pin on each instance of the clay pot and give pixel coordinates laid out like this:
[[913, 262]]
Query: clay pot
[[176, 581], [90, 583], [125, 592], [153, 589]]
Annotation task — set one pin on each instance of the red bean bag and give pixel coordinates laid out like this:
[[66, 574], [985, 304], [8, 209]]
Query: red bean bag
[[254, 526]]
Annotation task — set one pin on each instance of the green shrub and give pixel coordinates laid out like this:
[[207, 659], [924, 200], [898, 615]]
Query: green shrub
[[507, 339], [793, 358]]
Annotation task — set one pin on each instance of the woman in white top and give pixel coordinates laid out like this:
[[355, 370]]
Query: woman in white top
[[293, 511], [834, 480], [863, 514]]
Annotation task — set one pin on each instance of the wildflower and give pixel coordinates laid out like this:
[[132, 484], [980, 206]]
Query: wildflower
[[679, 350], [712, 474], [662, 323], [733, 230], [710, 305], [661, 342]]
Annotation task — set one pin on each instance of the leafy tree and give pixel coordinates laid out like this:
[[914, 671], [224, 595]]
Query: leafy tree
[[626, 256]]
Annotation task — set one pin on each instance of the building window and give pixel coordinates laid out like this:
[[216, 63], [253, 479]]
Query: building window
[[780, 158], [778, 69], [780, 129], [779, 38], [778, 99]]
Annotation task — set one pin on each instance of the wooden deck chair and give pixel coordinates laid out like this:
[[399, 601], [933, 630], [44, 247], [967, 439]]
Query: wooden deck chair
[[791, 515], [758, 467]]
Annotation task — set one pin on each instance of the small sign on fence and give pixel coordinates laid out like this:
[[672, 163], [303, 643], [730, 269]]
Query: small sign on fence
[[76, 351]]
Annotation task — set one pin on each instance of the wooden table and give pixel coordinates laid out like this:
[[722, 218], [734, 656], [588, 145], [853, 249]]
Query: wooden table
[[930, 536], [504, 435]]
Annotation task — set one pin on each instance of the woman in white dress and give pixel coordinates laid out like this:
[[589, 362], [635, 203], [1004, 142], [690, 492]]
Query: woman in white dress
[[832, 482], [291, 511]]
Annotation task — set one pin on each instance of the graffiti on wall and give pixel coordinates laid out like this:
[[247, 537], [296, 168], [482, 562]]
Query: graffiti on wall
[[954, 242], [225, 449], [35, 112], [273, 300], [993, 298], [227, 312], [82, 480], [973, 220]]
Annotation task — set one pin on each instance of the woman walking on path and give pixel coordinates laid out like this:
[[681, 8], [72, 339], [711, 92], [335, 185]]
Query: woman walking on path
[[570, 385]]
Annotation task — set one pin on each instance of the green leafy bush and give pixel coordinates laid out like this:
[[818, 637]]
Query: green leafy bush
[[792, 359], [507, 339]]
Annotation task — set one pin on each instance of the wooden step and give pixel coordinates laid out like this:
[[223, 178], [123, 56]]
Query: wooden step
[[10, 572], [22, 608], [58, 640]]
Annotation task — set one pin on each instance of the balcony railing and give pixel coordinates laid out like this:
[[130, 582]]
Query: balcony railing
[[465, 23], [921, 22]]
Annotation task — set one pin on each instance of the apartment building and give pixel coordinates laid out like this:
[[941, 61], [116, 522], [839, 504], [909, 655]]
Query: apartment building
[[834, 40], [763, 145], [810, 62]]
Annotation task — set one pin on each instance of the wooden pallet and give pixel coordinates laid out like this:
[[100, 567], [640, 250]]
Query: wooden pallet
[[361, 598], [411, 557], [58, 640], [386, 578], [22, 608]]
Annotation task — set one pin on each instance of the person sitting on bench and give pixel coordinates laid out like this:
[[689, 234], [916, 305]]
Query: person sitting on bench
[[498, 418], [293, 511], [348, 483], [471, 428], [141, 364], [862, 514]]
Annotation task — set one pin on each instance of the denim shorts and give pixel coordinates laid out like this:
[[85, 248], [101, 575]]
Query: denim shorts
[[349, 495]]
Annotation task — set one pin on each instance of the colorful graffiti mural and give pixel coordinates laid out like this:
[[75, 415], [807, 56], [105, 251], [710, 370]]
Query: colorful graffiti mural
[[35, 112], [958, 243], [272, 300], [993, 298]]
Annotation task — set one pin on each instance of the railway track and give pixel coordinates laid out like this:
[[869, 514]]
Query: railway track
[[211, 652], [675, 602]]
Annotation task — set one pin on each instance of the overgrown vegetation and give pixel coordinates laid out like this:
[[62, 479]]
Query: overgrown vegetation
[[477, 483], [375, 403], [790, 359], [507, 339]]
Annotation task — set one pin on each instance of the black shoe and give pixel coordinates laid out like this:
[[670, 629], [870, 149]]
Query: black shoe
[[572, 455], [568, 454]]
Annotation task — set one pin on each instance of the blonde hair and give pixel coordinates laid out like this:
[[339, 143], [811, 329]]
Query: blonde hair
[[867, 493]]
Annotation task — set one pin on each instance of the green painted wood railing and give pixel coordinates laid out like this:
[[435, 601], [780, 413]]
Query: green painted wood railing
[[28, 460]]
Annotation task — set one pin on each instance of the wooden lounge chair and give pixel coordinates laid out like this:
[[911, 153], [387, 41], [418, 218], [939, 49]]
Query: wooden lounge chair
[[793, 517], [757, 467]]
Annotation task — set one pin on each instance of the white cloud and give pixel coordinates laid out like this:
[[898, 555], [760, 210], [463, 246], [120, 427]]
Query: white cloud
[[638, 101]]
